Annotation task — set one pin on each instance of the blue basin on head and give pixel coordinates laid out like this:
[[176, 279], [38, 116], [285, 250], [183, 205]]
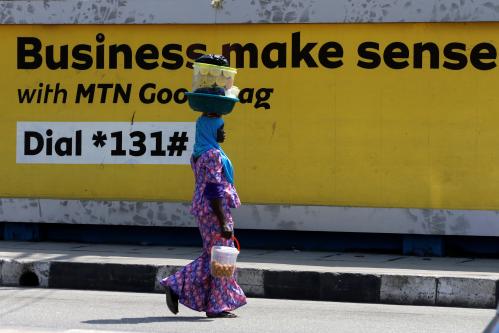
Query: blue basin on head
[[211, 103]]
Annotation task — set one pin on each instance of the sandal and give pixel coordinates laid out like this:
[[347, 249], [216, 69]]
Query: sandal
[[223, 314], [171, 300]]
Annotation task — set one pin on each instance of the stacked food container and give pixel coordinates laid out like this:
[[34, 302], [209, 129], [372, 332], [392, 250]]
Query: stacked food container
[[213, 89]]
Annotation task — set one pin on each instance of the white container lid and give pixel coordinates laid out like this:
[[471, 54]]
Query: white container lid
[[225, 249]]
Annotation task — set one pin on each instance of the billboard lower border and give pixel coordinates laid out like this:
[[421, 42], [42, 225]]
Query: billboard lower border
[[260, 217]]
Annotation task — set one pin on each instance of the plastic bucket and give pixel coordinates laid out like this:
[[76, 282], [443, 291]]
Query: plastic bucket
[[223, 261], [211, 103]]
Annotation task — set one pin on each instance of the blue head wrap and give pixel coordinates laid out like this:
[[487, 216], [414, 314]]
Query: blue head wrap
[[206, 139]]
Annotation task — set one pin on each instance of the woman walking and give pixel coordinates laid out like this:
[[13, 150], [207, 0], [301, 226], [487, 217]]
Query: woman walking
[[214, 196]]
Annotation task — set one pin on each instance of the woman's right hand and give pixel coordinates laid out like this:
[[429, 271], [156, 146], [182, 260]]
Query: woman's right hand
[[226, 231]]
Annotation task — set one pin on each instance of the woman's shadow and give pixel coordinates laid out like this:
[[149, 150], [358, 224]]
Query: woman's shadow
[[146, 320]]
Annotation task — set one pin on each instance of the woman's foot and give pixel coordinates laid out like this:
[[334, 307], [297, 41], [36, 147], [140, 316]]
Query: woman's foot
[[171, 300], [223, 314]]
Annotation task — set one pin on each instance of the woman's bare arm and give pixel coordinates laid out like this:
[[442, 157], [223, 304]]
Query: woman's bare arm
[[216, 206]]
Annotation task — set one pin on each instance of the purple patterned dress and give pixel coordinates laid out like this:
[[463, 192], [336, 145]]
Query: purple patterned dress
[[193, 284]]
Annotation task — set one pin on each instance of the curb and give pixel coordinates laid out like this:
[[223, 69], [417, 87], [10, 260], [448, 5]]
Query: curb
[[287, 284]]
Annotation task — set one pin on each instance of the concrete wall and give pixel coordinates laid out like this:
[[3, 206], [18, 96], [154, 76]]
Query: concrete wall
[[265, 217]]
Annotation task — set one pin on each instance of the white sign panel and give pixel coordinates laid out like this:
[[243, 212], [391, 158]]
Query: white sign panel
[[104, 142]]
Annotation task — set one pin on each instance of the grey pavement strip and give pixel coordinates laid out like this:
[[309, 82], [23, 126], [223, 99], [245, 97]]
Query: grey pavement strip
[[344, 277], [410, 290], [34, 330], [472, 292]]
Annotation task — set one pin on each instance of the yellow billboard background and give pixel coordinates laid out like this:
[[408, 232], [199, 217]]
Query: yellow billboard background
[[348, 136]]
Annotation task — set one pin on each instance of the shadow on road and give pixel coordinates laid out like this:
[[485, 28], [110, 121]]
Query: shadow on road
[[146, 320]]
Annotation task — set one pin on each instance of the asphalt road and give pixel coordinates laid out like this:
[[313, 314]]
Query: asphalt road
[[51, 310]]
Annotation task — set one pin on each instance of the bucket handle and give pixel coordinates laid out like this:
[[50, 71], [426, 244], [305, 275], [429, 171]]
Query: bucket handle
[[236, 241]]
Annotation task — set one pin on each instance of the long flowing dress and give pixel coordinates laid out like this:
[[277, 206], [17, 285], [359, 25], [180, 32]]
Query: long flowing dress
[[193, 284]]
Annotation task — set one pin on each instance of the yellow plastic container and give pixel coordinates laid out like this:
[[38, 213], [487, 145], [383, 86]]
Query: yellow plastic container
[[212, 76]]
